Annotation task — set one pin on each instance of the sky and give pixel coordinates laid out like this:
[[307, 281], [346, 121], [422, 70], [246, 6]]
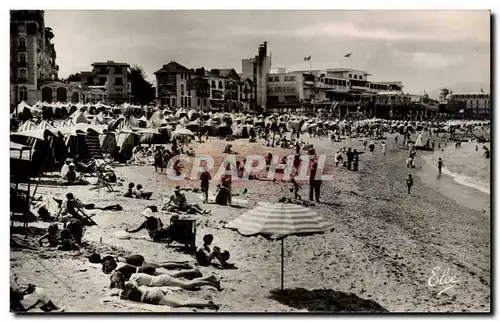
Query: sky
[[426, 50]]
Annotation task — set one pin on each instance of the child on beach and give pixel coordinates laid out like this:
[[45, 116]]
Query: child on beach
[[383, 148], [440, 165], [409, 182], [296, 188]]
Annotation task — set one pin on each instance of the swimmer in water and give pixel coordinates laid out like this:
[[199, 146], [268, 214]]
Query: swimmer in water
[[440, 165]]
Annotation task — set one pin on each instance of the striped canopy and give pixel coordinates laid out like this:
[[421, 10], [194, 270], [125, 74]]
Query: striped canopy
[[279, 220]]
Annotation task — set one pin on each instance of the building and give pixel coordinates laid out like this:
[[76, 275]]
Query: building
[[172, 85], [343, 90], [112, 77], [202, 89], [474, 105], [32, 55], [257, 69], [106, 82]]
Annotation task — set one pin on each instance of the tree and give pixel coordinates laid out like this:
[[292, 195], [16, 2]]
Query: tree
[[74, 77], [142, 91]]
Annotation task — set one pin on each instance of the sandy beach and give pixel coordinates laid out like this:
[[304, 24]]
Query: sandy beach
[[379, 257]]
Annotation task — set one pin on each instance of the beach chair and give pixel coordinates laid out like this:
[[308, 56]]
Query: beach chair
[[184, 231], [101, 182]]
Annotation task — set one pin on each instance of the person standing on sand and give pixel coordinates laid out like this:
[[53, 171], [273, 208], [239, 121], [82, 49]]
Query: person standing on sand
[[383, 148], [409, 182], [440, 165], [205, 183], [314, 183]]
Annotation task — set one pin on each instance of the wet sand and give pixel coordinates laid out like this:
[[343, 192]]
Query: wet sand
[[379, 257]]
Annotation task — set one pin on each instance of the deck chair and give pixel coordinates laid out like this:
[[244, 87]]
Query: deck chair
[[184, 230], [101, 182]]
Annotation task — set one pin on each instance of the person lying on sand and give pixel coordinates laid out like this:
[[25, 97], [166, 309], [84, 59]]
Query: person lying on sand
[[140, 194], [204, 255], [164, 280], [180, 204], [136, 260], [157, 296], [122, 272], [30, 298]]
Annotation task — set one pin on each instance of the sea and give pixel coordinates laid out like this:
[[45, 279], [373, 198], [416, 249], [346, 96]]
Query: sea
[[466, 176]]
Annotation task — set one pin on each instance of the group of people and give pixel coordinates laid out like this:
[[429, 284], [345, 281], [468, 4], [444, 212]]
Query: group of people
[[136, 192]]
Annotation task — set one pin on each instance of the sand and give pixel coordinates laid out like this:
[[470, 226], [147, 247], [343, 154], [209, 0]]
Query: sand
[[379, 257]]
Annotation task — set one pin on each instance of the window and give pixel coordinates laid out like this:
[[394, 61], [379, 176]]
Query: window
[[173, 101], [102, 81], [213, 84], [182, 89], [189, 101], [199, 101], [205, 102], [322, 80], [269, 79], [350, 75], [355, 76], [22, 43], [119, 93], [360, 77], [22, 27], [277, 79], [118, 69], [118, 81], [292, 78], [22, 73], [220, 84], [23, 93], [23, 58]]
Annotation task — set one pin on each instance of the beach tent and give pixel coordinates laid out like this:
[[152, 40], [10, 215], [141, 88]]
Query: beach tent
[[79, 117], [27, 126], [182, 132], [277, 221]]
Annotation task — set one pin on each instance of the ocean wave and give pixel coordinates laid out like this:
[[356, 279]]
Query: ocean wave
[[480, 182], [468, 181]]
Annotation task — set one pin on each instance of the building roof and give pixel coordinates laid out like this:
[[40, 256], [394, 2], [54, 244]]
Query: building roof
[[109, 63], [173, 67], [346, 70]]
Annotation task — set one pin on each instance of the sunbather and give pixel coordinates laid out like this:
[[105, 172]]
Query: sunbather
[[135, 260], [204, 255], [30, 298], [155, 295], [142, 194], [140, 279]]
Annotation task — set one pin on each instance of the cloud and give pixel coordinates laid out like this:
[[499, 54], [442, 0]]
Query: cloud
[[430, 61], [350, 30]]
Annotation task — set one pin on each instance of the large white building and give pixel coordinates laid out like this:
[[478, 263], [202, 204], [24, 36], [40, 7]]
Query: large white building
[[478, 105]]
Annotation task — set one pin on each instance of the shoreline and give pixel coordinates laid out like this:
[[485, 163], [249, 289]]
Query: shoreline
[[383, 249]]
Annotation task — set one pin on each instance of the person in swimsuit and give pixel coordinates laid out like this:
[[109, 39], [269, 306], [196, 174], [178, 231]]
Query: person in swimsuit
[[110, 263], [204, 255], [30, 298], [157, 296], [164, 280], [440, 165]]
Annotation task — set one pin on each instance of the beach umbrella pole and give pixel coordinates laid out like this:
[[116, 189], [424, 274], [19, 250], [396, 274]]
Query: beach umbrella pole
[[282, 261]]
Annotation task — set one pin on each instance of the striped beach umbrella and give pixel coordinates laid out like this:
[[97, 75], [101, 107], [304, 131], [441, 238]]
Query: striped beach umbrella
[[277, 221]]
